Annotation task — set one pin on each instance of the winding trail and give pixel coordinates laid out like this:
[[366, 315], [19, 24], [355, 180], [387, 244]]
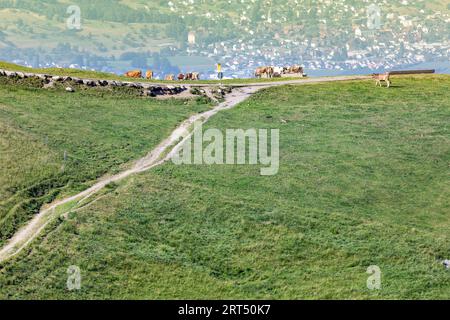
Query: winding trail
[[160, 154]]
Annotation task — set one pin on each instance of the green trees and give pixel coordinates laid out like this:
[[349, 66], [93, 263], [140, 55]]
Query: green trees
[[177, 30]]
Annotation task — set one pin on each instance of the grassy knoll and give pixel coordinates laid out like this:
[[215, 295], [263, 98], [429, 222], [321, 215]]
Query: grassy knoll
[[54, 143], [363, 181], [87, 74]]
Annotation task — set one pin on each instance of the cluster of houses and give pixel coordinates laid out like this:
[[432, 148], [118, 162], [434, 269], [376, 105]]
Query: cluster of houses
[[344, 40], [328, 37]]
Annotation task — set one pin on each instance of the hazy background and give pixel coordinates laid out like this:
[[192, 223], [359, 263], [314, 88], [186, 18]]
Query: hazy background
[[327, 37]]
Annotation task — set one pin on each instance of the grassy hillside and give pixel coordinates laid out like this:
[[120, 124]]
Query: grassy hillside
[[363, 181], [53, 142], [144, 25]]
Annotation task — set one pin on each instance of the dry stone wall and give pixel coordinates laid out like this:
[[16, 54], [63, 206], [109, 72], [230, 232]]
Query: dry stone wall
[[147, 89]]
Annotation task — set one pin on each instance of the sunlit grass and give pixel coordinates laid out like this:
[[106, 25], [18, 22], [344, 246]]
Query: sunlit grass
[[363, 181], [53, 143]]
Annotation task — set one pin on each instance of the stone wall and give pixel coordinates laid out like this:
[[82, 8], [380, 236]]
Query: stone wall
[[147, 89]]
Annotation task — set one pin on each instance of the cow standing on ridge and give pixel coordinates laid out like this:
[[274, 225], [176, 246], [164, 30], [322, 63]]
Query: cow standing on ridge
[[382, 78], [268, 71]]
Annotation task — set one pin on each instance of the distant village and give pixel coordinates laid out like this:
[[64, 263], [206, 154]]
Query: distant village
[[240, 59], [398, 41]]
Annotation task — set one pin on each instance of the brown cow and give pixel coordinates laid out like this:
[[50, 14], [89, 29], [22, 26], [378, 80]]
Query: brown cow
[[170, 77], [268, 71], [188, 76], [149, 75], [260, 71], [296, 69], [180, 76], [134, 74], [382, 78]]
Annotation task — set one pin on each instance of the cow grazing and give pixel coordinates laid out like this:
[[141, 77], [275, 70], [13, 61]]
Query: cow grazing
[[379, 78], [149, 75], [295, 69], [170, 77], [134, 74], [278, 72], [189, 76]]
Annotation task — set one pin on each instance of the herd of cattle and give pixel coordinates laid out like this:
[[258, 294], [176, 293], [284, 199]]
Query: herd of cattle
[[277, 72], [268, 72], [137, 74]]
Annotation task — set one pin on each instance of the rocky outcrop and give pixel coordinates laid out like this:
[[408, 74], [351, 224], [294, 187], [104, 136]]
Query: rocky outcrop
[[49, 81]]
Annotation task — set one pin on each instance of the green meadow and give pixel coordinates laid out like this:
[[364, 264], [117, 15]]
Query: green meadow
[[54, 143], [363, 180]]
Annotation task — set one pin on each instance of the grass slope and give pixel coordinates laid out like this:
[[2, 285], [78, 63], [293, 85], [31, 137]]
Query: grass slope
[[363, 181], [96, 131]]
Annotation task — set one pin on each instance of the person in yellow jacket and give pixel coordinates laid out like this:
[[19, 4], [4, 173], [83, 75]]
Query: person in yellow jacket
[[219, 71]]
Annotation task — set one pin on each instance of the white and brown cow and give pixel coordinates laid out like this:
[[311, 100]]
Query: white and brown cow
[[195, 76]]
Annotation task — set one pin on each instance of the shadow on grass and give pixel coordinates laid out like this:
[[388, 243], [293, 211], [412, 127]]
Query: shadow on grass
[[395, 86]]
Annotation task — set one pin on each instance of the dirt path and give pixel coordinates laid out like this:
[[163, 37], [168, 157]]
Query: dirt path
[[162, 153]]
